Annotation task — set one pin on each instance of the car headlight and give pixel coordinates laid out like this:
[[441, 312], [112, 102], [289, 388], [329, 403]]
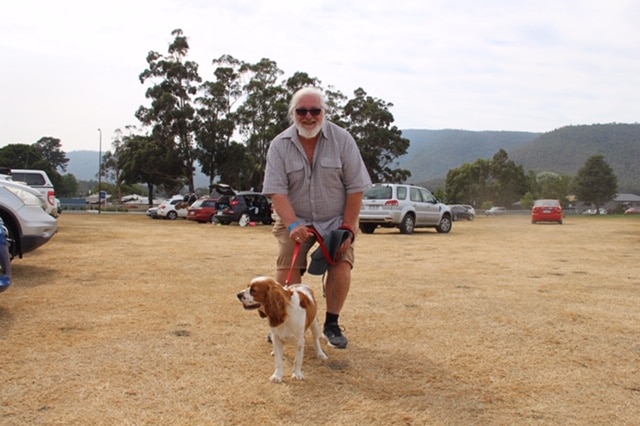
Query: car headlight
[[27, 197]]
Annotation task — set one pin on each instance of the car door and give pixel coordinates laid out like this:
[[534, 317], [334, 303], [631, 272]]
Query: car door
[[421, 208], [431, 208]]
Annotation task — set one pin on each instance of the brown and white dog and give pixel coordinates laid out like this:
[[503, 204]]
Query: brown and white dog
[[291, 310]]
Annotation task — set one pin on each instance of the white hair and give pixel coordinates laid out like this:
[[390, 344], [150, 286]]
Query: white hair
[[299, 94]]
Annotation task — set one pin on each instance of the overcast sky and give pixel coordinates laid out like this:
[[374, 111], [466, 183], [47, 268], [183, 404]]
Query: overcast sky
[[71, 67]]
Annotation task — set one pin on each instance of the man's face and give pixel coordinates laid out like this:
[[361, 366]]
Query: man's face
[[309, 116]]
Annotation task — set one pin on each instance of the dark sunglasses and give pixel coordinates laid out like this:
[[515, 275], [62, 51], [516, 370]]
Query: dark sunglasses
[[302, 112]]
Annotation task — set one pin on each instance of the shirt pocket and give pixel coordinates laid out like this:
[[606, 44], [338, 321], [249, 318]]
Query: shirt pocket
[[331, 162], [294, 167]]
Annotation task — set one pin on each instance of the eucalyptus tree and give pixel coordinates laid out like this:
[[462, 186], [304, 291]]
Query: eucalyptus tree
[[171, 113], [369, 121], [110, 167], [508, 179], [596, 183], [262, 116], [467, 184], [153, 162], [217, 154], [51, 150]]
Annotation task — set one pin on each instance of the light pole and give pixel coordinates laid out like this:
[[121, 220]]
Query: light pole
[[100, 171]]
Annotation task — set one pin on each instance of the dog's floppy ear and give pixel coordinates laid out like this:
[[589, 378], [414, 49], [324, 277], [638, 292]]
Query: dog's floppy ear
[[262, 314], [275, 303]]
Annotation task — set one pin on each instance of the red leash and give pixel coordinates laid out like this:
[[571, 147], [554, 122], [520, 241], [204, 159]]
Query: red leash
[[296, 253]]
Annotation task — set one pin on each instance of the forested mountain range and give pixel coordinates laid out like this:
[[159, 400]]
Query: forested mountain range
[[433, 153]]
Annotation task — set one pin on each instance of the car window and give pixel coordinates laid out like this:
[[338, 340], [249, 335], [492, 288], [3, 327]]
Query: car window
[[427, 197], [29, 178], [402, 192], [378, 193], [416, 195]]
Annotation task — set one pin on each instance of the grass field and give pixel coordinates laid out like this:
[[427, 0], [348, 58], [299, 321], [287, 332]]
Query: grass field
[[124, 320]]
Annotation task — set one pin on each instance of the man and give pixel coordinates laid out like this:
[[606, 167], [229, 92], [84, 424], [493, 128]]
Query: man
[[315, 177]]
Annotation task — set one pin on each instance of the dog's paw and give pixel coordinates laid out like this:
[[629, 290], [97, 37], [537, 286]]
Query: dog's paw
[[297, 375], [322, 356], [276, 378]]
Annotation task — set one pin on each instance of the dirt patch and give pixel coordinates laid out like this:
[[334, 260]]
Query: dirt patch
[[121, 319]]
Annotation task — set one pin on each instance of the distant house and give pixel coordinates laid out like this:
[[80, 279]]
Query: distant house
[[623, 201], [618, 204]]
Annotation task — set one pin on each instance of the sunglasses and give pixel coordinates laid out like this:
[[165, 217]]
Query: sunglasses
[[302, 112]]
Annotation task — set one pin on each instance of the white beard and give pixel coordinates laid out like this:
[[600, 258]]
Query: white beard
[[309, 133]]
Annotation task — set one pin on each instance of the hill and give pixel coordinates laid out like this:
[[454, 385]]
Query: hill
[[565, 151], [432, 153]]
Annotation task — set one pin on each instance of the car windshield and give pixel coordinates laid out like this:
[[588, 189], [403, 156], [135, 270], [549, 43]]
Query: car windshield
[[547, 203], [378, 193]]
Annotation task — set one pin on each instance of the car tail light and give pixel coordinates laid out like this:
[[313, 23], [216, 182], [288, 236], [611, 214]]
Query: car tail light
[[51, 197], [391, 203], [234, 203]]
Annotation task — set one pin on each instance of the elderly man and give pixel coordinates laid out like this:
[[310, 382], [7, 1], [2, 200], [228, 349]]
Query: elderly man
[[315, 177]]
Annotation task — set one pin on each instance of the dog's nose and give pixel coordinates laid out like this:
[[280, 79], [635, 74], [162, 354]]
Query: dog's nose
[[240, 295]]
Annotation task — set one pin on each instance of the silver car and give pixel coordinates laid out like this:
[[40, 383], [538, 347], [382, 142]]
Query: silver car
[[22, 210], [403, 206]]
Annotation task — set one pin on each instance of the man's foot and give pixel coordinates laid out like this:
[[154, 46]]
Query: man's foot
[[334, 335]]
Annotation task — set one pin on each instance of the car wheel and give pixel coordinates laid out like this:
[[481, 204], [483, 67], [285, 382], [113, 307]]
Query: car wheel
[[445, 225], [172, 215], [267, 221], [368, 228], [471, 218], [407, 225], [244, 219]]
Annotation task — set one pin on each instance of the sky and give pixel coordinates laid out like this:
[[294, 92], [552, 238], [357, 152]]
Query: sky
[[70, 67]]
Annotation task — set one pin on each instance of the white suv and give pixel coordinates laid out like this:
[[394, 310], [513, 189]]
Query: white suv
[[404, 206], [22, 211], [38, 179]]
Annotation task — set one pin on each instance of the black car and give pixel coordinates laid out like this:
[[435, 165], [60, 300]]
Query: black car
[[462, 211], [244, 208]]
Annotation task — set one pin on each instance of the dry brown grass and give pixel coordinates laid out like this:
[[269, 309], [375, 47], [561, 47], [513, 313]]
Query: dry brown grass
[[123, 320]]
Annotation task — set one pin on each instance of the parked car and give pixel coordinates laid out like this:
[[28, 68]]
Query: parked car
[[632, 210], [546, 211], [173, 209], [203, 210], [38, 179], [28, 225], [462, 211], [152, 212], [245, 208], [495, 211], [601, 211], [403, 206]]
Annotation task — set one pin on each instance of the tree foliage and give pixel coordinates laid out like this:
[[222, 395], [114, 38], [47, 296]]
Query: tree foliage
[[499, 181], [171, 113], [369, 121], [595, 183]]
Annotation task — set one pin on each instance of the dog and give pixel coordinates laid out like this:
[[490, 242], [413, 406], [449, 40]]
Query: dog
[[291, 310]]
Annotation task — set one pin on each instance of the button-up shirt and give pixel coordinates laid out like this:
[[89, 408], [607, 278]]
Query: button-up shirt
[[317, 191]]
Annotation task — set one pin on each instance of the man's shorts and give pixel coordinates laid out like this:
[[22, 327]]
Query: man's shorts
[[286, 248]]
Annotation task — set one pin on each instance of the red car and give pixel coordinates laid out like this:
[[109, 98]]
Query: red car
[[203, 210], [546, 211]]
